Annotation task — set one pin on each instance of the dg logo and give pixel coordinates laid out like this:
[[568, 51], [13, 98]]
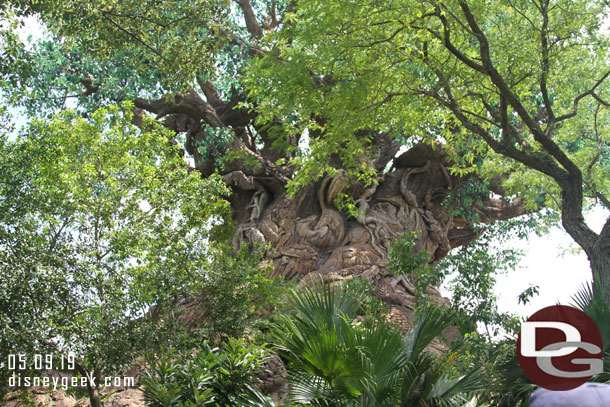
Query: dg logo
[[560, 348]]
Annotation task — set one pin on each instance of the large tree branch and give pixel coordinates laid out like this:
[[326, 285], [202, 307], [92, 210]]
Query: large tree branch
[[499, 209], [570, 184], [462, 236], [551, 147], [539, 162], [190, 104], [571, 181], [252, 24], [493, 209], [210, 92], [217, 114], [545, 65], [446, 39], [214, 111], [269, 168]]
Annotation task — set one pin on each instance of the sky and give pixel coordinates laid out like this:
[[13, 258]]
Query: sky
[[554, 263], [551, 262]]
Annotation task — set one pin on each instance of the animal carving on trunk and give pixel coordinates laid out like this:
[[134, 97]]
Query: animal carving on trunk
[[328, 228], [310, 237]]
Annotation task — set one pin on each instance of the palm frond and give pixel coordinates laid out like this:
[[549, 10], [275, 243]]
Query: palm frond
[[447, 387], [429, 324], [337, 361], [308, 389], [591, 299]]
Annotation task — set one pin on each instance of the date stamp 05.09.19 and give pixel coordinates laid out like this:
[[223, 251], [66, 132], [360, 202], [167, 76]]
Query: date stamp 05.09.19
[[21, 366]]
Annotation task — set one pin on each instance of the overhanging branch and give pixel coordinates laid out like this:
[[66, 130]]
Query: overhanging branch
[[252, 24]]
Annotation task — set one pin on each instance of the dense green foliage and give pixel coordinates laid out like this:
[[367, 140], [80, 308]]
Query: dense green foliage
[[180, 37], [339, 359], [469, 273], [415, 69], [102, 231], [211, 377]]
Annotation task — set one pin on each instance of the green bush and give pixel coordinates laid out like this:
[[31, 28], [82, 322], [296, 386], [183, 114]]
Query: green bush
[[338, 359], [210, 376]]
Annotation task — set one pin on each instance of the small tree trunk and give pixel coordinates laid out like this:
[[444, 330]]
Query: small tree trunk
[[599, 258], [94, 396], [92, 384], [597, 246]]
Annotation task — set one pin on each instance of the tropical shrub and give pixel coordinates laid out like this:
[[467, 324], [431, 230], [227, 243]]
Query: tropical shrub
[[211, 376], [336, 358]]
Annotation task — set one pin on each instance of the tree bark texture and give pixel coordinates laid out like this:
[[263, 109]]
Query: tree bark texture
[[312, 239]]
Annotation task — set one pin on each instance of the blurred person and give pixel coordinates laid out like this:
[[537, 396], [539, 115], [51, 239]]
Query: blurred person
[[587, 395]]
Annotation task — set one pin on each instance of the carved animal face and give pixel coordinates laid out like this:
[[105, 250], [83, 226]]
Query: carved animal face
[[296, 261], [358, 255]]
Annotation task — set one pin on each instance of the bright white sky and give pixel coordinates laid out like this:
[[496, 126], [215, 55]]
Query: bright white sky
[[551, 262]]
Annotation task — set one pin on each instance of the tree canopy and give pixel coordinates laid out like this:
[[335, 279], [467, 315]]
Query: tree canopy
[[518, 89], [321, 130], [519, 80]]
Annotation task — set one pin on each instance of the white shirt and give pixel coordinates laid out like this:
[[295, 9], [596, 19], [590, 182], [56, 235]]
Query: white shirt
[[587, 395]]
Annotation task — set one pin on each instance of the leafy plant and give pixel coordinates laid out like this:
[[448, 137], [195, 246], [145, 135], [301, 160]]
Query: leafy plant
[[210, 376], [233, 291], [100, 222], [591, 298], [338, 360], [465, 199], [407, 258], [468, 272], [506, 384]]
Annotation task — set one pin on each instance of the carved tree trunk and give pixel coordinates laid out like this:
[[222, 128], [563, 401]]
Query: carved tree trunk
[[312, 238]]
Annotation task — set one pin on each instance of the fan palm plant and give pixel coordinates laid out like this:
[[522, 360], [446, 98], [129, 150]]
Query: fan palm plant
[[338, 360], [591, 299], [507, 384]]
